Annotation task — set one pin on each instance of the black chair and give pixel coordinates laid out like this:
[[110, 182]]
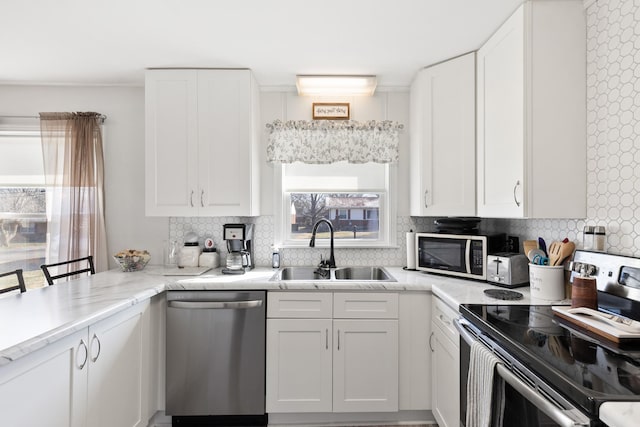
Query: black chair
[[88, 269], [20, 286]]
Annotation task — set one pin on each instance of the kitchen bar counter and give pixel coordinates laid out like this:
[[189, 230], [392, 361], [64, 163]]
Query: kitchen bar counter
[[34, 319]]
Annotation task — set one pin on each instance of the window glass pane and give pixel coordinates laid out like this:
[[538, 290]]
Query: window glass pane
[[23, 224], [346, 211]]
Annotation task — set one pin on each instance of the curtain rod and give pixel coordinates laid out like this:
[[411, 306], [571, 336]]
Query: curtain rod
[[102, 117]]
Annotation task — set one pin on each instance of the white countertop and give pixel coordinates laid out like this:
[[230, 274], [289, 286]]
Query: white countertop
[[620, 414], [32, 320]]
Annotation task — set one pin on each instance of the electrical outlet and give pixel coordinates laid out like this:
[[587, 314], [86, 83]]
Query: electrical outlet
[[513, 244]]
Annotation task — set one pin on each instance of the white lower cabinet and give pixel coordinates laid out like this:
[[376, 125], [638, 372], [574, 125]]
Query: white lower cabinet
[[365, 365], [94, 377], [117, 375], [445, 366], [48, 387], [318, 363], [299, 365]]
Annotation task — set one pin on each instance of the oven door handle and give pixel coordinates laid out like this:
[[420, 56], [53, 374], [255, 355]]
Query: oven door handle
[[564, 417], [571, 417]]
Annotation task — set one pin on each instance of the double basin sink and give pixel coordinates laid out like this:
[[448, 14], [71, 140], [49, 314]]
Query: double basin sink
[[360, 274]]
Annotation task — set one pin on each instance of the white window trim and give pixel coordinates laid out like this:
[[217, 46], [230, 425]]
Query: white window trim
[[388, 217]]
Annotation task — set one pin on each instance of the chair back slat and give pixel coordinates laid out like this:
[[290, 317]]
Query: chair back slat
[[20, 286], [52, 277]]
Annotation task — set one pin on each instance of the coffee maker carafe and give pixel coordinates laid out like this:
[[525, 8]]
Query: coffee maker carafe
[[239, 238]]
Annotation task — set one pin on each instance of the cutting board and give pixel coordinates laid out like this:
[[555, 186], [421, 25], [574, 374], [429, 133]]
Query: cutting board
[[594, 325]]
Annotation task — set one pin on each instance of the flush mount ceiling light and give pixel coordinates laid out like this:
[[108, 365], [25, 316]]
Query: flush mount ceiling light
[[335, 85]]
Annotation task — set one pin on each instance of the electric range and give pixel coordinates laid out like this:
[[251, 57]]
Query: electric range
[[573, 369]]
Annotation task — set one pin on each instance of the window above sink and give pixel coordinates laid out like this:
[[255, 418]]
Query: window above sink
[[358, 199]]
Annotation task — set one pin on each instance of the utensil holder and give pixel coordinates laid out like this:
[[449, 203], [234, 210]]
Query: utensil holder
[[547, 282]]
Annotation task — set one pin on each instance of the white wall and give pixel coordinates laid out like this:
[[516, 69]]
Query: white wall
[[127, 227]]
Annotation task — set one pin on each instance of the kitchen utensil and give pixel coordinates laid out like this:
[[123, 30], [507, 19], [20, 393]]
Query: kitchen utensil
[[527, 245], [533, 252], [542, 245], [559, 252]]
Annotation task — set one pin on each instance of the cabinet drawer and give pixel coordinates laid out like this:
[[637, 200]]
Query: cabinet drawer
[[308, 305], [443, 316], [355, 305]]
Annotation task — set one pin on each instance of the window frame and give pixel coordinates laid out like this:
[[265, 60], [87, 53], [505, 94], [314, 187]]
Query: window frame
[[387, 215]]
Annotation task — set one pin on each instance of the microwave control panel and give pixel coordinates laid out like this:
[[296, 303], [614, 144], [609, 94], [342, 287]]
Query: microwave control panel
[[477, 257]]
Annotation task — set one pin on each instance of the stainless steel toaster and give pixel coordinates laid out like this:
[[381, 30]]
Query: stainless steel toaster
[[508, 269]]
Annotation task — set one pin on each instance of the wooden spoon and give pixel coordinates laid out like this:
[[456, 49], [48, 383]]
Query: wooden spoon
[[554, 252], [559, 251], [566, 250]]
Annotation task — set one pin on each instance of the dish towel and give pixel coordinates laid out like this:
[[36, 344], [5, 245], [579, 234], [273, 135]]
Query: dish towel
[[480, 396]]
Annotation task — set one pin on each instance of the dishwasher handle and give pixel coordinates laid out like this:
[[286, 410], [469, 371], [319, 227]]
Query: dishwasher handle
[[215, 305]]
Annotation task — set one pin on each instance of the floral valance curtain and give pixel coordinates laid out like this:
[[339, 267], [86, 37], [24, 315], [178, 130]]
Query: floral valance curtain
[[74, 175], [326, 141]]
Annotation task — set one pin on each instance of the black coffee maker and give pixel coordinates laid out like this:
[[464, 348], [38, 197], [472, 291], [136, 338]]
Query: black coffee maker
[[239, 238]]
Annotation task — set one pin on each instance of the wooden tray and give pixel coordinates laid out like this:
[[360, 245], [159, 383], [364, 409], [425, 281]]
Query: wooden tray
[[594, 325]]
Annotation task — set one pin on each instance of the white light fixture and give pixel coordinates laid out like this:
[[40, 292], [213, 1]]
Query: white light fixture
[[335, 85]]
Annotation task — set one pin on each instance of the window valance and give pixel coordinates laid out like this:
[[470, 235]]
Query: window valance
[[325, 141]]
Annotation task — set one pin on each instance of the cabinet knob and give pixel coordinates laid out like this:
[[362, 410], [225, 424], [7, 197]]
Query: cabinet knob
[[425, 198], [202, 199], [430, 346], [191, 198]]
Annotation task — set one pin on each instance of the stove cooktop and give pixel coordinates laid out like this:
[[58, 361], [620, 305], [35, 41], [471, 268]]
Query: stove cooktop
[[581, 365]]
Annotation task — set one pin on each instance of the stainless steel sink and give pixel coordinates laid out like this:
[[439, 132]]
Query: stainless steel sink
[[300, 273], [362, 274]]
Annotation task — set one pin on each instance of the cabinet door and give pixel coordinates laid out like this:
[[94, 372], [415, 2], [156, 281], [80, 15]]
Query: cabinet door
[[446, 380], [501, 186], [171, 143], [117, 394], [225, 142], [299, 365], [365, 366], [47, 387], [414, 325], [443, 139]]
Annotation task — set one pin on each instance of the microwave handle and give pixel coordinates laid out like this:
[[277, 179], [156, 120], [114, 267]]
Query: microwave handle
[[467, 256]]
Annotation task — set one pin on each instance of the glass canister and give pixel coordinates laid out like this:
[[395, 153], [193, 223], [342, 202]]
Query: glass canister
[[599, 239], [588, 237]]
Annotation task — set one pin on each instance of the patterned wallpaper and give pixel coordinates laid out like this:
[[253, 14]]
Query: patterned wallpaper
[[613, 158]]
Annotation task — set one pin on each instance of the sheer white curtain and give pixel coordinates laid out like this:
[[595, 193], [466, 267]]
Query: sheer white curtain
[[74, 176]]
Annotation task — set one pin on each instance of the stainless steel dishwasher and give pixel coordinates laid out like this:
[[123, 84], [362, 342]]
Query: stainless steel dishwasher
[[215, 372]]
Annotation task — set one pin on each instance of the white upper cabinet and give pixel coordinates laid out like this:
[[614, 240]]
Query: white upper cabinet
[[202, 139], [443, 139], [531, 116]]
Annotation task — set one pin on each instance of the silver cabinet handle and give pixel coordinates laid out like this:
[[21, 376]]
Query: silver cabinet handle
[[95, 339], [207, 305], [430, 346], [201, 198], [326, 339], [425, 198], [515, 199], [338, 339], [86, 354], [191, 198]]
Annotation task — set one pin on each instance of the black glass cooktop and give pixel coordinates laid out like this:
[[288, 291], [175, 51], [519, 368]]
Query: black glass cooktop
[[582, 366]]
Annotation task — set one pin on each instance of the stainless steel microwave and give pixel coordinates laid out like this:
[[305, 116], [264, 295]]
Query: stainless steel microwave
[[456, 254]]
